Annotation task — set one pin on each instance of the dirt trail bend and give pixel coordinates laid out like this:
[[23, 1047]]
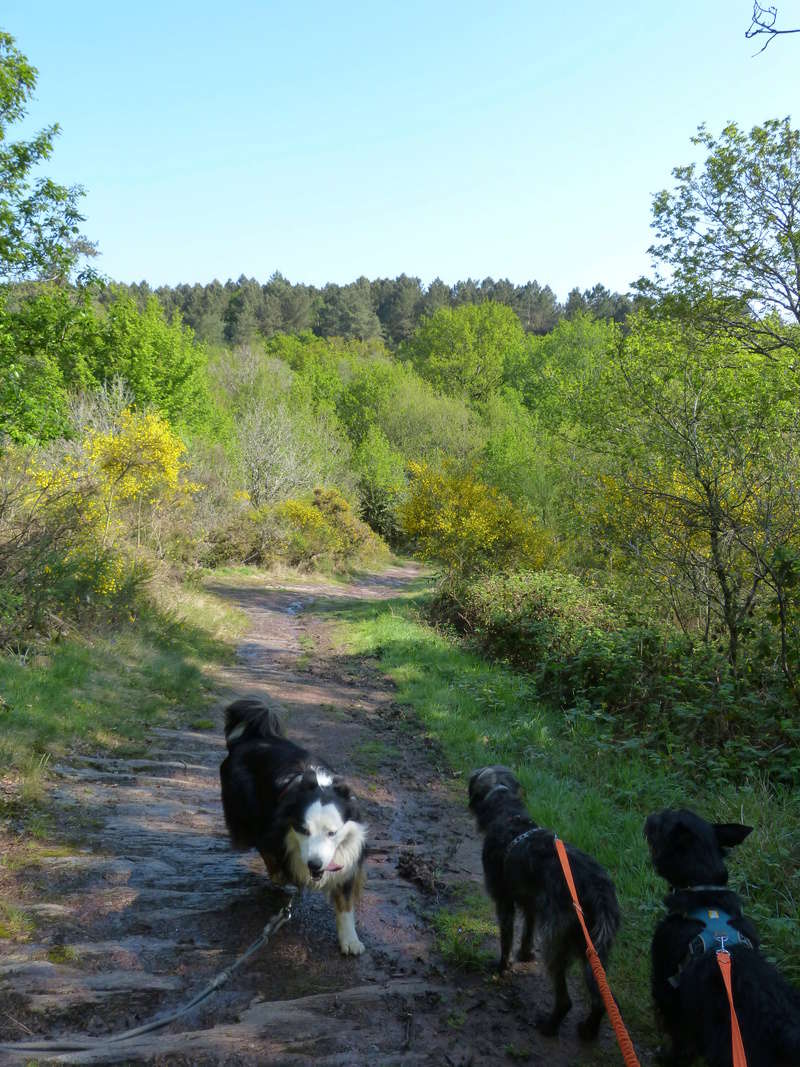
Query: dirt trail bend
[[155, 903]]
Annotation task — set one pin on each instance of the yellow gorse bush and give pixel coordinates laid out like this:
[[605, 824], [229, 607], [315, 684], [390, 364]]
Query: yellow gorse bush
[[468, 526], [142, 453], [111, 484], [138, 460], [302, 514]]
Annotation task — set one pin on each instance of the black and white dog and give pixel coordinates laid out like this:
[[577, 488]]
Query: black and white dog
[[704, 915], [522, 870], [303, 819]]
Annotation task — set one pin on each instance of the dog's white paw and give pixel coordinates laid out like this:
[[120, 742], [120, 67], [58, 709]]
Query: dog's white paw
[[351, 946], [348, 938]]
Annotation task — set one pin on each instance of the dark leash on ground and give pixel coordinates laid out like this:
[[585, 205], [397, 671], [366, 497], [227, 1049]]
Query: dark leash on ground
[[615, 1018], [86, 1045]]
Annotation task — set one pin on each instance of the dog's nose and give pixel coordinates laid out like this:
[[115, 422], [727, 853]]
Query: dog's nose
[[315, 866]]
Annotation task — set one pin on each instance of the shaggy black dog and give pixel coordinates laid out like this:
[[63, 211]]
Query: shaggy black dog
[[522, 871], [301, 817], [688, 991]]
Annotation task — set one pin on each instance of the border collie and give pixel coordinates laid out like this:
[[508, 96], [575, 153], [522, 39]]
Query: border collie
[[303, 819], [522, 870], [705, 915]]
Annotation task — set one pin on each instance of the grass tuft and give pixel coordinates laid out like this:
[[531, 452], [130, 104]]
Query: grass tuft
[[466, 933]]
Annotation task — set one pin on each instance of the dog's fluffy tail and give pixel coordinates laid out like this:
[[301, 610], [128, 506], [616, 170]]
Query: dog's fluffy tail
[[606, 920], [603, 933], [251, 718]]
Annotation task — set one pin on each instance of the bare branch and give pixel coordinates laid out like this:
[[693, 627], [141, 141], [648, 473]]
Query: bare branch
[[763, 22]]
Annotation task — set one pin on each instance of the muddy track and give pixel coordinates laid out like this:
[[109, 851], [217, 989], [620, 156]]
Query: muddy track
[[153, 904]]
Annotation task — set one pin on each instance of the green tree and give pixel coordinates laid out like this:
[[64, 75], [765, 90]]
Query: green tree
[[437, 295], [417, 421], [47, 339], [348, 311], [729, 235], [551, 367], [248, 313], [381, 481], [537, 307], [700, 445], [158, 359], [464, 350], [399, 307], [295, 304], [515, 458], [39, 219]]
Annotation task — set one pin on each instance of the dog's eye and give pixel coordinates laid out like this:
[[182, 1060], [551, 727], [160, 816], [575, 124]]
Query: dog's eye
[[331, 833], [302, 830]]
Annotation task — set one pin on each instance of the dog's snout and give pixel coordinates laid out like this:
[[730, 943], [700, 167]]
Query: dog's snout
[[315, 866]]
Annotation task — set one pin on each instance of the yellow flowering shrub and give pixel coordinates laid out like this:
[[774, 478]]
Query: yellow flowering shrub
[[110, 486], [466, 525], [325, 530], [138, 461]]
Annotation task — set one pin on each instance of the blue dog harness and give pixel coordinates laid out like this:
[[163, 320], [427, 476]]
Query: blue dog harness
[[717, 932], [717, 935]]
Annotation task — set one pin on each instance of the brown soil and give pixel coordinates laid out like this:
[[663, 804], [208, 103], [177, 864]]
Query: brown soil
[[154, 903]]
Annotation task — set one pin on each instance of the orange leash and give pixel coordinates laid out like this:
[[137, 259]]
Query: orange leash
[[622, 1036], [724, 961]]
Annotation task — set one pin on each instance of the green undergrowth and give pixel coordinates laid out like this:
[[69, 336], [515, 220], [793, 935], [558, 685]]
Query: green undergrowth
[[102, 690], [645, 683], [595, 794]]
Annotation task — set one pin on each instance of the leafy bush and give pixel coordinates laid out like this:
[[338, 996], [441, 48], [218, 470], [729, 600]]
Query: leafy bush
[[381, 481], [53, 569], [55, 340], [137, 465], [318, 533], [73, 515], [466, 525], [638, 684]]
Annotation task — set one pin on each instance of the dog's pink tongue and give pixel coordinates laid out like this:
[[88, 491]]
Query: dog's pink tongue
[[334, 867]]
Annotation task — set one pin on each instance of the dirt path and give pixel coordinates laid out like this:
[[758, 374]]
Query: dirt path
[[154, 903]]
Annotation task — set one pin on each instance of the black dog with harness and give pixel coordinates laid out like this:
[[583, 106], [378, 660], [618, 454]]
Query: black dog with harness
[[710, 982], [718, 934]]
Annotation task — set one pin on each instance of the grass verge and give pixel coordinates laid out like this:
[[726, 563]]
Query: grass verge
[[595, 794], [102, 691]]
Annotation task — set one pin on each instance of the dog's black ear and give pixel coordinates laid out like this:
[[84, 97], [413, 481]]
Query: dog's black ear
[[341, 787], [275, 724], [343, 790], [473, 783], [731, 833]]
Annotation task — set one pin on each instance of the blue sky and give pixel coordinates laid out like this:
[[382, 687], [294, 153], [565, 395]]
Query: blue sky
[[515, 139]]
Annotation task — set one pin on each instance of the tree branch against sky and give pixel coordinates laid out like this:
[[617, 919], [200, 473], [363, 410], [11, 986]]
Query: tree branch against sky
[[729, 234], [763, 24], [39, 219]]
